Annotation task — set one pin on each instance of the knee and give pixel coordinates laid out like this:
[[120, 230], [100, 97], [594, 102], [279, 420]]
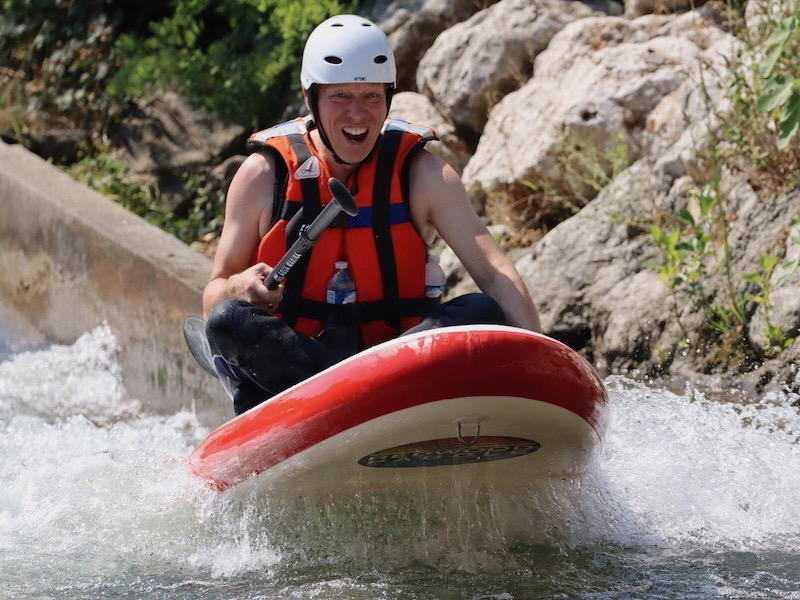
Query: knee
[[470, 309], [222, 319], [486, 309], [232, 321], [235, 325]]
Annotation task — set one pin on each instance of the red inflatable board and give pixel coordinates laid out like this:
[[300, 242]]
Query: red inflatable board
[[482, 403]]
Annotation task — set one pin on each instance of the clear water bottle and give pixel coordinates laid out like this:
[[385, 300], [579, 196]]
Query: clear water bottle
[[341, 289], [434, 277], [340, 333]]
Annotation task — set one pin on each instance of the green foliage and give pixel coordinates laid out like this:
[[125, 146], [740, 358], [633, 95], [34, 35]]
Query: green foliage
[[112, 178], [238, 58], [757, 138], [589, 170], [691, 256], [55, 56], [102, 172], [780, 70], [778, 339], [204, 214], [764, 91], [586, 171]]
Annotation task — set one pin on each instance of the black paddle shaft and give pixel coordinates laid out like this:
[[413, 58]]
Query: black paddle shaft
[[342, 202]]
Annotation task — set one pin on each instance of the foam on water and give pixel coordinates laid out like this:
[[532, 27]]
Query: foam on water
[[686, 470], [94, 492], [81, 379], [85, 476]]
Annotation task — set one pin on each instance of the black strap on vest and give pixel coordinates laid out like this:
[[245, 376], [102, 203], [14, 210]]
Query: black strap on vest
[[279, 194], [365, 312], [381, 194], [312, 206]]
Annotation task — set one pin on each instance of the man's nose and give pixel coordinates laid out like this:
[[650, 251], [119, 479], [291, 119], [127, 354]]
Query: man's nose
[[356, 106]]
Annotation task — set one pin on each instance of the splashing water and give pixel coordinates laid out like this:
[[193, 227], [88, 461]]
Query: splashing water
[[691, 497]]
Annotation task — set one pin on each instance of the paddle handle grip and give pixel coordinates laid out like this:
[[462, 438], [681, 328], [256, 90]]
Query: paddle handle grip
[[342, 201]]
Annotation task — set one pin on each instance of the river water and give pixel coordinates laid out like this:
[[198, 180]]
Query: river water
[[693, 496]]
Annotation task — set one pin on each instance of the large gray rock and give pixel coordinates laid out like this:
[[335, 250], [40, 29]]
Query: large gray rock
[[416, 108], [413, 25], [472, 65], [594, 88], [587, 275]]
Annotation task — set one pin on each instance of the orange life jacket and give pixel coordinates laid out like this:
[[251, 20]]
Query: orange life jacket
[[385, 254]]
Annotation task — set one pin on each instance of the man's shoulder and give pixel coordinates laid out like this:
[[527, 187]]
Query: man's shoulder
[[425, 133], [297, 126], [259, 164]]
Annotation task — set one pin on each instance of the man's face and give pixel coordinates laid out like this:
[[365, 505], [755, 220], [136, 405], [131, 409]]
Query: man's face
[[352, 115]]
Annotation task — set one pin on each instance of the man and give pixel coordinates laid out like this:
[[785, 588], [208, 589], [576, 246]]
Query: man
[[272, 339]]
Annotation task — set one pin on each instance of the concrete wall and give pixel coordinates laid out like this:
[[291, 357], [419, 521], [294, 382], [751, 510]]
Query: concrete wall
[[71, 259]]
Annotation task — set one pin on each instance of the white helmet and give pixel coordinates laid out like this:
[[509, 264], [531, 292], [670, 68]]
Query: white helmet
[[347, 49]]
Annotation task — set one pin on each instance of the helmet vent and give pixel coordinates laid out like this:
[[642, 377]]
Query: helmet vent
[[333, 60], [380, 59]]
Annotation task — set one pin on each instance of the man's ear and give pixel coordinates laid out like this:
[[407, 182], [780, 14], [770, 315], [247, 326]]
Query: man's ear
[[305, 99]]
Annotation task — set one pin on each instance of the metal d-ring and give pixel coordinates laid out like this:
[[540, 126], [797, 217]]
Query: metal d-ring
[[474, 439]]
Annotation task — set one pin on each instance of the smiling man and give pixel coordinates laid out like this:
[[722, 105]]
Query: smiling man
[[272, 339]]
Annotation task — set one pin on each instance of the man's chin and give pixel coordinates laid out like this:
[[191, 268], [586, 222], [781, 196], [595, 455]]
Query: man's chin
[[354, 156]]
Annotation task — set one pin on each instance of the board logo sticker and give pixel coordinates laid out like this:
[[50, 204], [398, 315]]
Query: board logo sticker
[[450, 451]]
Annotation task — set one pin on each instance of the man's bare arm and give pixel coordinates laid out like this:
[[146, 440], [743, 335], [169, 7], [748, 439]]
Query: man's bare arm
[[248, 212], [439, 201]]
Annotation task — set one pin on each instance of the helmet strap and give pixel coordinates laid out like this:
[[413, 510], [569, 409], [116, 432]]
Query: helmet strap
[[389, 96], [313, 104]]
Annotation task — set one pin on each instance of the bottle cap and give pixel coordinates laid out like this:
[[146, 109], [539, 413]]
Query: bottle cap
[[340, 264]]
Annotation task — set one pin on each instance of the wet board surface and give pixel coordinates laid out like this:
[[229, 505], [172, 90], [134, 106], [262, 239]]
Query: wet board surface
[[478, 403]]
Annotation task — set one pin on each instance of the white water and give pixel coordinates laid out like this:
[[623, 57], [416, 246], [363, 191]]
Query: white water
[[691, 497]]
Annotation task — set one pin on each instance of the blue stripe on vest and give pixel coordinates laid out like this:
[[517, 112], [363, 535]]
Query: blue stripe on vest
[[398, 213]]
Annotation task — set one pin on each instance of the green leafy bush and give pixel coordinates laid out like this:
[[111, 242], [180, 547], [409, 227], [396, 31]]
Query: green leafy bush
[[764, 91], [779, 69], [106, 174], [56, 57], [238, 58], [74, 63], [758, 139]]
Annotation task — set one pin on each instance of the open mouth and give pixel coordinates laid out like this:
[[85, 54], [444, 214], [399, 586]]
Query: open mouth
[[355, 134]]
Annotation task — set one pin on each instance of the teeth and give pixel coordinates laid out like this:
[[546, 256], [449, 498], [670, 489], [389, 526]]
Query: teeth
[[355, 130]]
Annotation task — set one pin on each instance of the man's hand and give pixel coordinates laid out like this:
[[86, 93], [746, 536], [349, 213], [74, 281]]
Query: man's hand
[[250, 286]]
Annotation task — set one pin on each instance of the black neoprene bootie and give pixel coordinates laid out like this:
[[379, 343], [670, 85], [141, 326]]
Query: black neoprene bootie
[[246, 396]]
